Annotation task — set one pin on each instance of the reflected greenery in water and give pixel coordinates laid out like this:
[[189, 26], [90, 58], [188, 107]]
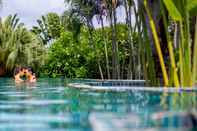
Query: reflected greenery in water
[[50, 105], [179, 101]]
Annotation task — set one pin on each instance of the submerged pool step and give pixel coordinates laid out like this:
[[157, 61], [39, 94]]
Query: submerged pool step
[[126, 83]]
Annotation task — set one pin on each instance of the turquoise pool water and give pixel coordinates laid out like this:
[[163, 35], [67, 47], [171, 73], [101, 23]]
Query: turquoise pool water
[[49, 105]]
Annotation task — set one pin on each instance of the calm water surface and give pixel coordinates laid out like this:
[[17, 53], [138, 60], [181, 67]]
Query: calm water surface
[[49, 105]]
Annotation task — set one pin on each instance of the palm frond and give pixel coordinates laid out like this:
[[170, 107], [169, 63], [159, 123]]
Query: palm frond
[[10, 63], [18, 46]]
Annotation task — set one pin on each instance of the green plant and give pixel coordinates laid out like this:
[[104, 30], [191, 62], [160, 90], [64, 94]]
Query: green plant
[[157, 45], [18, 46], [66, 58], [180, 13], [49, 27]]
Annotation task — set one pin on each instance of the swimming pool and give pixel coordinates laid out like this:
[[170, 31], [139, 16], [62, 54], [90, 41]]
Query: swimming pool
[[49, 105]]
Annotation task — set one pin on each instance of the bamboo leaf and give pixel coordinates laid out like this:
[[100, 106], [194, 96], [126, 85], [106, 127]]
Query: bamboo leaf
[[194, 68], [192, 7], [193, 12], [191, 4], [172, 9]]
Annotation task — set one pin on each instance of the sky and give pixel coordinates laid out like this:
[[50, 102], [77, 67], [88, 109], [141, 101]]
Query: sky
[[30, 10]]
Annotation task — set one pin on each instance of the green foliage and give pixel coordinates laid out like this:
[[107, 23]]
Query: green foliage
[[78, 59], [67, 57], [172, 9], [49, 27], [192, 7], [180, 15], [72, 23], [18, 46], [54, 25], [161, 42]]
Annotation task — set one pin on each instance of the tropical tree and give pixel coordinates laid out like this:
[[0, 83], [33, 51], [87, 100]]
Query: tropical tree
[[49, 27], [18, 46], [75, 59], [100, 18], [110, 7], [67, 57], [162, 54], [85, 11], [72, 23]]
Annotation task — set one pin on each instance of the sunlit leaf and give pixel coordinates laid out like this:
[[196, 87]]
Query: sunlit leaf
[[172, 9], [191, 4], [192, 7]]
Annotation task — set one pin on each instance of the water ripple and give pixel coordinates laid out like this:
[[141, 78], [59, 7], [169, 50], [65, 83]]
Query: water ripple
[[35, 102], [34, 118]]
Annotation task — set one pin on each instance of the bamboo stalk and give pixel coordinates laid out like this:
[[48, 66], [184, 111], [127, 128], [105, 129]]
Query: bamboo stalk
[[188, 45], [157, 45], [149, 65], [185, 68], [194, 68], [181, 57], [131, 50], [170, 49], [173, 64], [105, 46]]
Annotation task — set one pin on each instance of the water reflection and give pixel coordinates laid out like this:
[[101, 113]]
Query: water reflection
[[52, 106], [180, 111], [179, 101]]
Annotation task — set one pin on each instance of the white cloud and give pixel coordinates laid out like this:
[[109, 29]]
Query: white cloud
[[30, 10]]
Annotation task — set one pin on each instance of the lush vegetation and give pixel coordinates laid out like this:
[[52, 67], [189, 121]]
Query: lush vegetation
[[18, 46], [78, 58], [157, 42]]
